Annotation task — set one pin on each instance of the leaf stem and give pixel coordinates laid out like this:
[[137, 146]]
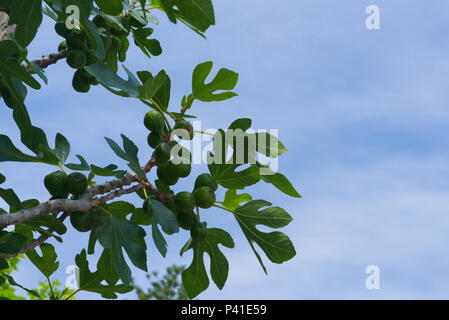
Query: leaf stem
[[223, 208], [76, 291], [51, 288]]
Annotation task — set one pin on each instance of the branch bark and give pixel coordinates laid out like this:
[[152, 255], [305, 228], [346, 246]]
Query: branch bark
[[45, 61], [86, 201]]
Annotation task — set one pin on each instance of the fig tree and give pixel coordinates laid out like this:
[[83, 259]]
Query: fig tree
[[187, 127], [76, 183], [76, 40], [76, 59], [154, 121], [204, 197], [154, 139], [181, 170], [162, 152], [61, 29], [206, 180], [79, 82], [163, 172], [55, 183], [185, 201]]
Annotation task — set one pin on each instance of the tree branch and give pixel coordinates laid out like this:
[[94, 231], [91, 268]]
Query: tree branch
[[45, 61], [35, 243], [86, 201]]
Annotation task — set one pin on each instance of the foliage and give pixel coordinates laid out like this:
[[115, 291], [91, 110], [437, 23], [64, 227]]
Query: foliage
[[167, 287], [95, 43], [44, 291]]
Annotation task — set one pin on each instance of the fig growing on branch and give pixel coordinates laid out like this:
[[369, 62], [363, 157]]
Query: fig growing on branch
[[55, 183]]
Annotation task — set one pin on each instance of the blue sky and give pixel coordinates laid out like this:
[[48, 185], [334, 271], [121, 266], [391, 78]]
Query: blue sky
[[363, 113]]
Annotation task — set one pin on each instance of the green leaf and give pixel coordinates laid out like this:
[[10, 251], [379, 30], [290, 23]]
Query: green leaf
[[14, 283], [117, 234], [228, 177], [46, 263], [167, 6], [94, 36], [156, 88], [276, 245], [91, 281], [105, 75], [105, 267], [108, 171], [2, 178], [279, 181], [62, 148], [233, 200], [268, 144], [199, 13], [128, 153], [167, 220], [194, 278], [224, 80], [10, 197], [9, 152], [45, 220], [11, 242], [13, 74], [242, 124], [27, 15], [83, 166], [112, 7], [148, 46]]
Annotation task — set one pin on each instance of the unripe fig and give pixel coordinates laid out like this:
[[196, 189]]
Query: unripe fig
[[76, 59], [181, 170], [154, 139], [162, 152], [185, 219], [204, 197], [206, 180], [83, 221], [154, 121], [164, 174], [55, 183], [61, 29], [77, 40], [76, 183], [184, 125], [80, 83], [185, 201]]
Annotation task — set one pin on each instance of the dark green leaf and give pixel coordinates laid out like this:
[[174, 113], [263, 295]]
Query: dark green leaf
[[62, 148], [46, 263], [194, 278], [276, 245], [27, 15], [117, 234], [167, 220], [89, 281]]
